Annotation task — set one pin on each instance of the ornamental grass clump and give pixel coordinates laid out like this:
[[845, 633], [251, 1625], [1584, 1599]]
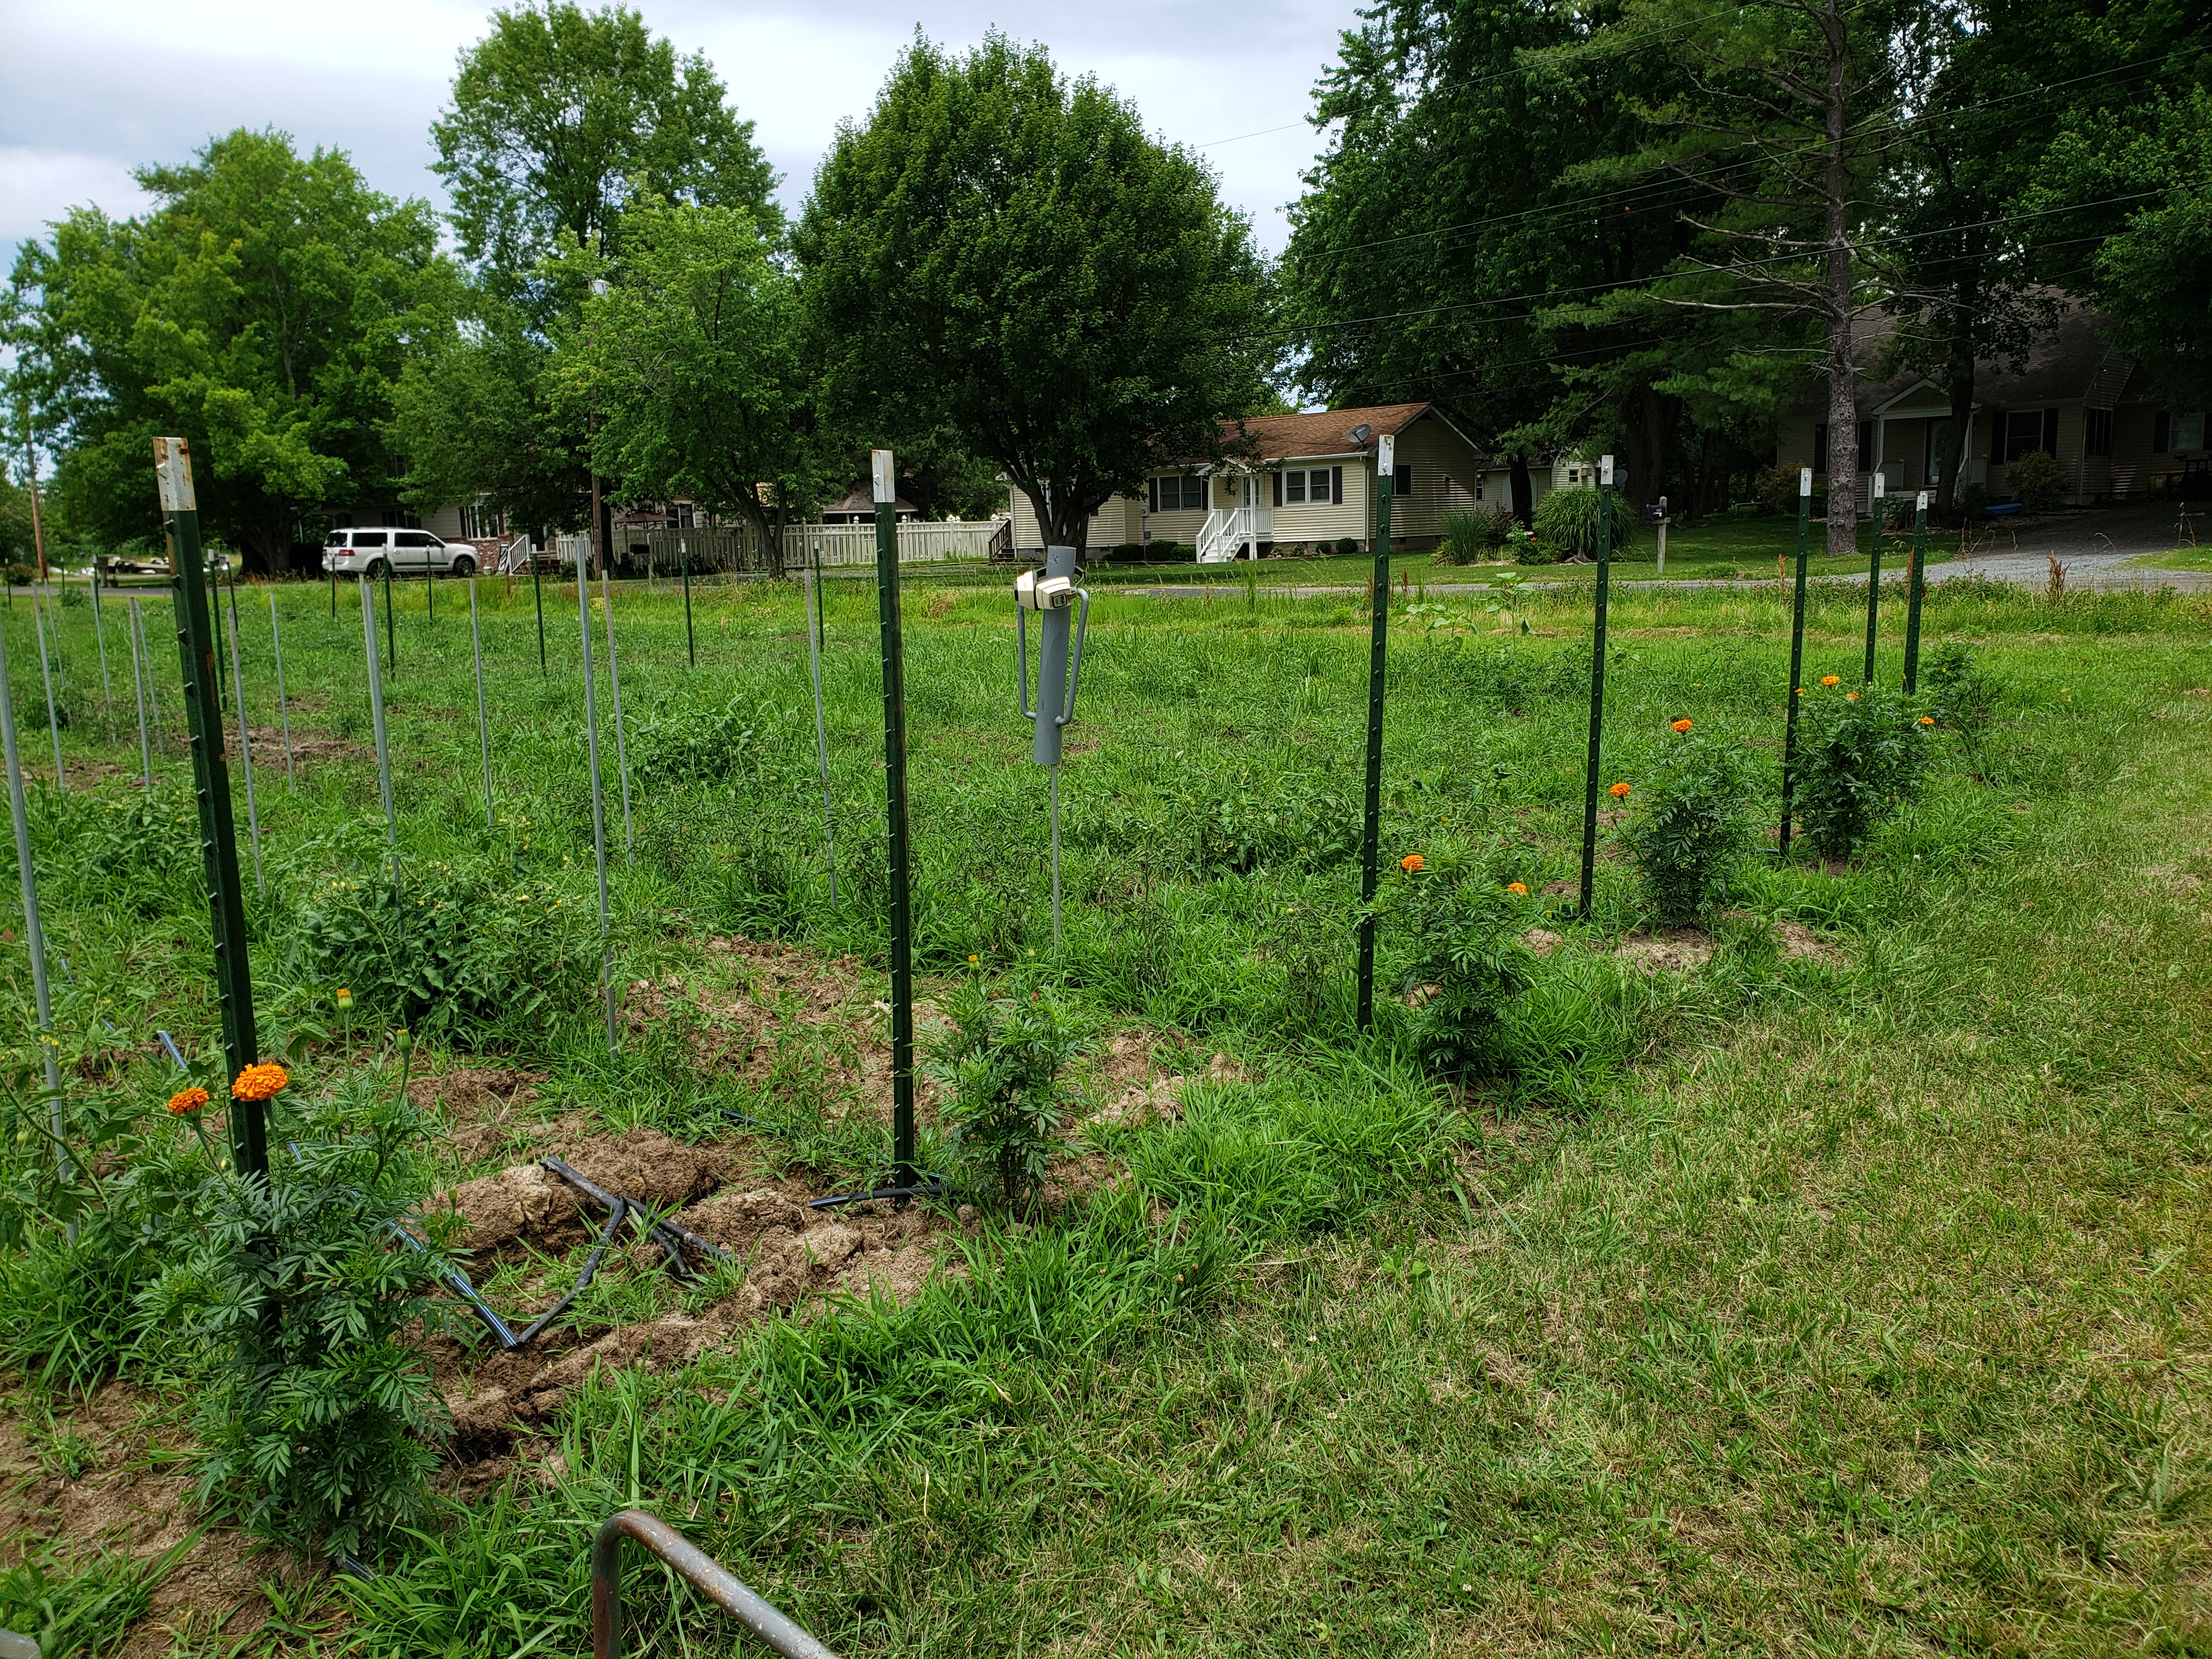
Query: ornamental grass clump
[[999, 1072], [1859, 755], [1693, 824], [1451, 928], [316, 1421]]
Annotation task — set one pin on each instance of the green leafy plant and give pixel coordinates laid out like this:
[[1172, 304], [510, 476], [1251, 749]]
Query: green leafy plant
[[1859, 753], [1000, 1070], [1961, 695], [1778, 490], [1567, 523], [1307, 942], [2037, 482], [1457, 963], [1693, 824], [80, 1603], [315, 1419], [1470, 536]]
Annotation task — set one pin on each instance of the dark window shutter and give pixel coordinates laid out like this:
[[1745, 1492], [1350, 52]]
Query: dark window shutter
[[1997, 435], [1277, 475], [2051, 431], [2161, 432], [1401, 481], [1206, 494], [1152, 493], [1336, 486], [1820, 447]]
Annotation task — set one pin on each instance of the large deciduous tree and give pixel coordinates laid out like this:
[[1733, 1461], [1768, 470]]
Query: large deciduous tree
[[262, 311], [559, 114], [693, 354], [1006, 255]]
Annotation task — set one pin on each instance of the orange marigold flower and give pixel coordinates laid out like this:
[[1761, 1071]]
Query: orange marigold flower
[[1520, 887], [1850, 696], [185, 1102], [1927, 720], [1619, 791], [1831, 679], [345, 1000], [259, 1082], [1682, 726], [1412, 862]]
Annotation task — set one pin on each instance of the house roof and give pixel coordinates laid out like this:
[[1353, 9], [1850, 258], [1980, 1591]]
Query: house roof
[[861, 498], [2062, 363], [1322, 435]]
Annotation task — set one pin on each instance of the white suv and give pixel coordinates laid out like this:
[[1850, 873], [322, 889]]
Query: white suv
[[408, 552]]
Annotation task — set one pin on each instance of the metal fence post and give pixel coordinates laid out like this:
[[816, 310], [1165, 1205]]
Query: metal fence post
[[483, 731], [1378, 642], [249, 1130], [902, 942], [1597, 685], [1796, 657], [1916, 590], [598, 794], [1873, 570], [33, 934]]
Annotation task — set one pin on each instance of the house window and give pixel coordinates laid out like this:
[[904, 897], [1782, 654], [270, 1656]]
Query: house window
[[1179, 492], [2097, 432], [2023, 431], [1307, 485], [1401, 479], [2189, 431]]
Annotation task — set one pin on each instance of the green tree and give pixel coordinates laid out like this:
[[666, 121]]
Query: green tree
[[1006, 255], [263, 311], [559, 115], [693, 353]]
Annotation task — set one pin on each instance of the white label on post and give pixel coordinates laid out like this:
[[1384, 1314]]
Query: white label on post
[[879, 462], [173, 469], [1386, 455], [1605, 470], [1804, 481], [1920, 504]]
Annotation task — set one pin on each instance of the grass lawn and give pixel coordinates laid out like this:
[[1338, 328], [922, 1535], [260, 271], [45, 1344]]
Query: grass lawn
[[1830, 1282], [2185, 558]]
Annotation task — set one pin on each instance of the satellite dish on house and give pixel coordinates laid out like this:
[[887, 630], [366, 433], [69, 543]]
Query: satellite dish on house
[[1359, 435]]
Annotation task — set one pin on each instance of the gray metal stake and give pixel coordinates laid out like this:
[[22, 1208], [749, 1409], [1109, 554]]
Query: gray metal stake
[[1052, 593], [598, 802], [53, 722], [483, 731], [99, 633], [138, 686], [614, 683], [153, 686], [245, 748], [376, 719], [283, 708], [33, 935], [810, 577]]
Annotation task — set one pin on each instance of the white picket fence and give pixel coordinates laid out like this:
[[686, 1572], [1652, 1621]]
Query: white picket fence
[[941, 542]]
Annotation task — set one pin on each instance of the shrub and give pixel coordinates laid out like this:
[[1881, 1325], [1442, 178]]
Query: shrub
[[1460, 965], [1962, 697], [2037, 482], [1527, 549], [1693, 824], [1472, 535], [457, 946], [316, 1420], [1973, 503], [1347, 544], [999, 1068], [1778, 490], [1859, 753], [1567, 523]]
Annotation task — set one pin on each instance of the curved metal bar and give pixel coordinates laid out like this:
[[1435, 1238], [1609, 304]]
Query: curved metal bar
[[699, 1569], [1075, 667], [1022, 663]]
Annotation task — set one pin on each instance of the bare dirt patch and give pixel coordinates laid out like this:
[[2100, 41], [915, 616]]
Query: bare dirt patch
[[134, 1497], [1667, 949], [310, 747], [1799, 942], [479, 1104]]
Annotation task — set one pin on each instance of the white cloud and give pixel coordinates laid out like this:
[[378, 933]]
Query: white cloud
[[91, 89]]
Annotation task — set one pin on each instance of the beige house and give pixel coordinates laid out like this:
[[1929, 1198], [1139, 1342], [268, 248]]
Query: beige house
[[2075, 398], [1296, 481]]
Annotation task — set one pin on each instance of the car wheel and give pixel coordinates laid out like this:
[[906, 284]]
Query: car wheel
[[464, 565], [373, 571]]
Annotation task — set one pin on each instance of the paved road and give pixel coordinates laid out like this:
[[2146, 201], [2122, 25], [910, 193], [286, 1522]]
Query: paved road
[[2095, 547]]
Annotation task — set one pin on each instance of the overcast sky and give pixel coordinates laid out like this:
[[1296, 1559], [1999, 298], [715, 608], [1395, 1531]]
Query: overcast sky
[[90, 88]]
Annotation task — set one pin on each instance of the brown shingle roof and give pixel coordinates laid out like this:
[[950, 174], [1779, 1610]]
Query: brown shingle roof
[[1295, 437]]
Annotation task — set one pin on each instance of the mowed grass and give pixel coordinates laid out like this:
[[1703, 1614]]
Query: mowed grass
[[1852, 1307]]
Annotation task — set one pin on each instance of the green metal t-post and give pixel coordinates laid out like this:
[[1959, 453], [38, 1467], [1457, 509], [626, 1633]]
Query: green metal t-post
[[249, 1131], [1597, 685], [391, 639], [537, 588], [1371, 842], [1796, 655], [902, 942], [691, 641], [1874, 574], [1915, 591]]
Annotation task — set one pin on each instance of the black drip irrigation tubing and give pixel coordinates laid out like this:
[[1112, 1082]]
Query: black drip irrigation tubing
[[667, 1234], [936, 1186]]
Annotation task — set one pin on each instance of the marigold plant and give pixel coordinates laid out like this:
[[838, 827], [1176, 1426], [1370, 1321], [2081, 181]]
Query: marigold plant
[[1520, 887], [1619, 791], [1680, 727], [1692, 825], [185, 1102], [1412, 863], [261, 1081]]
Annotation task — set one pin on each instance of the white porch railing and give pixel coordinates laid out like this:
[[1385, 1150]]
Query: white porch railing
[[1232, 532]]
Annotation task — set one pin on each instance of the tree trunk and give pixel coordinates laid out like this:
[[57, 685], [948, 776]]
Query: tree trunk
[[1960, 382], [1843, 371], [1524, 505]]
